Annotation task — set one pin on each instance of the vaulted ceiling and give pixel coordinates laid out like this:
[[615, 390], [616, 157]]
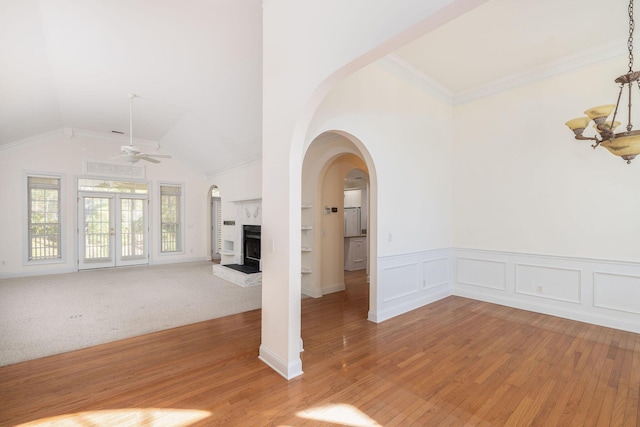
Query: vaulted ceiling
[[196, 65]]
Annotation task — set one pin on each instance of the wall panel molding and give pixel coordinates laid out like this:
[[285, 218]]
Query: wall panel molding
[[543, 281], [620, 292], [409, 281], [600, 292], [482, 272]]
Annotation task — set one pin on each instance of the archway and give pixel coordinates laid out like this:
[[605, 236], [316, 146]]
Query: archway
[[327, 162]]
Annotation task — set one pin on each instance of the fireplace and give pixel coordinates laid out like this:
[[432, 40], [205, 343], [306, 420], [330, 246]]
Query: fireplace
[[251, 246]]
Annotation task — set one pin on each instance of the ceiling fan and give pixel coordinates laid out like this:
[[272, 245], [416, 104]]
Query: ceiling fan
[[130, 153]]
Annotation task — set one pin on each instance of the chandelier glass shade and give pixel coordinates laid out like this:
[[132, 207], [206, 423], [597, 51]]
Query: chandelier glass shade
[[625, 144]]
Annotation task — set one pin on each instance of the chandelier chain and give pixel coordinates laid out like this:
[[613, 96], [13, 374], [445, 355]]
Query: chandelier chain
[[632, 26]]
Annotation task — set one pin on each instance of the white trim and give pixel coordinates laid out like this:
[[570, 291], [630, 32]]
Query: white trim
[[336, 287], [212, 174], [312, 293], [30, 140], [402, 282], [556, 299], [573, 62], [288, 370], [596, 300], [182, 217], [406, 307], [114, 170], [25, 218], [579, 60], [409, 72]]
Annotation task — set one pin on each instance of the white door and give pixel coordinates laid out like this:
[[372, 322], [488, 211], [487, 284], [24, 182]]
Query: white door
[[112, 230], [131, 230]]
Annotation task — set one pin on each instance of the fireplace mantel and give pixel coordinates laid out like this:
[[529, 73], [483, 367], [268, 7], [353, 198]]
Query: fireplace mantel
[[247, 212]]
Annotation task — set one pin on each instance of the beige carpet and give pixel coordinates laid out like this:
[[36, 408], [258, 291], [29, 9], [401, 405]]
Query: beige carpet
[[45, 315]]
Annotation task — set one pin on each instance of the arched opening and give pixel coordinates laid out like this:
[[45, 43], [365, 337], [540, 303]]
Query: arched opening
[[338, 185], [215, 223]]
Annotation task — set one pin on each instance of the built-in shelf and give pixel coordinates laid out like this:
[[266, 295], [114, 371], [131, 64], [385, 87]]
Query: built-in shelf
[[227, 253], [305, 249], [305, 271], [307, 227], [306, 206]]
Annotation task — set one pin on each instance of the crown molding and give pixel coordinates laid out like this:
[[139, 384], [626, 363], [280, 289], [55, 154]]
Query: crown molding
[[573, 62], [30, 140], [72, 132], [212, 174], [417, 77]]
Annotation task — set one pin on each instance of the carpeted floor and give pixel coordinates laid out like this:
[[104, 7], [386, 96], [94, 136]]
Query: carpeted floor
[[45, 315]]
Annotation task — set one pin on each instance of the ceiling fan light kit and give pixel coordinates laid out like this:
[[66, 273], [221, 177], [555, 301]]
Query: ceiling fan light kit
[[132, 154], [625, 144]]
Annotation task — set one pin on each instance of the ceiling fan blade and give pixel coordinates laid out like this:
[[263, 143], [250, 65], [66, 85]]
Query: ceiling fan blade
[[119, 156], [159, 156], [148, 159]]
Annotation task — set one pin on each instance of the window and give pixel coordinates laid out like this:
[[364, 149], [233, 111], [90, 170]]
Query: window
[[170, 218], [44, 229], [110, 186]]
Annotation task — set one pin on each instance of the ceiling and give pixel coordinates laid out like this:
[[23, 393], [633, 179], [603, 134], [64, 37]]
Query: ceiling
[[196, 65]]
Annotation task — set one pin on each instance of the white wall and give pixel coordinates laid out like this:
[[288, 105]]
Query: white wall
[[542, 221], [408, 134], [61, 155], [302, 58], [241, 184], [332, 224], [523, 184]]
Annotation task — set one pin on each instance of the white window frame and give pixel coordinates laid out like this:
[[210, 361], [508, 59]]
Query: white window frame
[[26, 218], [180, 240]]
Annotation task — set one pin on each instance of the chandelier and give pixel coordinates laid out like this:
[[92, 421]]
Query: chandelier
[[625, 144]]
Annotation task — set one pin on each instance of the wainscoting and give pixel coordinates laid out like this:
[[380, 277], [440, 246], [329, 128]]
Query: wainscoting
[[605, 293], [409, 281]]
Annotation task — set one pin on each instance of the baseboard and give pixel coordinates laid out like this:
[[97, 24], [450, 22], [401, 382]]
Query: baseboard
[[313, 293], [329, 289], [397, 310], [288, 370], [593, 291], [161, 261], [409, 281], [577, 315], [25, 273]]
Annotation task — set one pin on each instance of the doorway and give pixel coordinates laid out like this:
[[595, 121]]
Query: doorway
[[113, 231], [332, 164], [113, 226]]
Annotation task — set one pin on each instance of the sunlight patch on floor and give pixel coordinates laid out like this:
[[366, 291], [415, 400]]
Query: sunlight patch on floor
[[137, 417], [339, 413]]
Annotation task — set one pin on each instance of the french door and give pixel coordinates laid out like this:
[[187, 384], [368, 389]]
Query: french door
[[112, 230]]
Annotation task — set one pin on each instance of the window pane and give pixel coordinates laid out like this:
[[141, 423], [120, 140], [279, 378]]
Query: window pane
[[44, 229], [170, 217], [109, 186]]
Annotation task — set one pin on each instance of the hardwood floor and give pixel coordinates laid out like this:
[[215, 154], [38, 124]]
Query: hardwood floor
[[453, 362]]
